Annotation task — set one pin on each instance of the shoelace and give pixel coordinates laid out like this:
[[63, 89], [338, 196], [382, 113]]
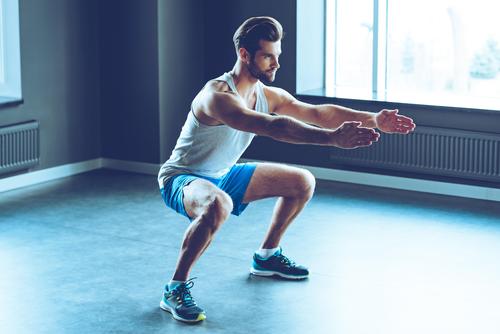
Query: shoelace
[[286, 261], [183, 293]]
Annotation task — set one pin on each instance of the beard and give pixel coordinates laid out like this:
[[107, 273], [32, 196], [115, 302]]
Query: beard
[[264, 76]]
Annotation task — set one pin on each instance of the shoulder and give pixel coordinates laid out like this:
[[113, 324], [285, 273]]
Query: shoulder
[[216, 86], [215, 99], [277, 97], [215, 91]]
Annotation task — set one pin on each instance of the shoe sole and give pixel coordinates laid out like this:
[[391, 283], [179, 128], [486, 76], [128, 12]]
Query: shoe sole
[[168, 309], [268, 273]]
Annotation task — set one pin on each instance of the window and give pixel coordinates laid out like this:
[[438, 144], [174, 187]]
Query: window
[[10, 68], [438, 52]]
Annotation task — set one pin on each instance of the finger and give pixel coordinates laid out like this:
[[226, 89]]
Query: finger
[[375, 134], [405, 130], [407, 126], [369, 136], [401, 130], [404, 119], [354, 124], [390, 111], [403, 125], [363, 143], [363, 131], [369, 133], [363, 139], [366, 138]]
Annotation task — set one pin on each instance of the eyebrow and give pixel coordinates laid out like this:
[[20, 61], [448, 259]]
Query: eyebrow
[[270, 54]]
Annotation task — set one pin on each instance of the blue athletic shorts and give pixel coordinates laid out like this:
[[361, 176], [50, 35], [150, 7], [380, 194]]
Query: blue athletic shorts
[[234, 183]]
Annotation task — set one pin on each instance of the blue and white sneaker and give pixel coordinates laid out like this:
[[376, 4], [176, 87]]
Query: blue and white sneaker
[[279, 265], [181, 304]]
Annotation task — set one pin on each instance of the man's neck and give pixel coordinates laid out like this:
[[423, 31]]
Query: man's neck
[[243, 80]]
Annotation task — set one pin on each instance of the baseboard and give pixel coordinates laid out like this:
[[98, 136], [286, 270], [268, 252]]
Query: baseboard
[[49, 174], [54, 173], [396, 182], [375, 180], [131, 166]]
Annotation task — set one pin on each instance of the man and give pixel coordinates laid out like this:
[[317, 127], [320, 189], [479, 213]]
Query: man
[[203, 181]]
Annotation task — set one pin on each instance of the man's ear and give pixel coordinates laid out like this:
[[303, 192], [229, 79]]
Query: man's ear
[[244, 55]]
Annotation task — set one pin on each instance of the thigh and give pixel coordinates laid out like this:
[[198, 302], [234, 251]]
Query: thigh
[[199, 193], [277, 180]]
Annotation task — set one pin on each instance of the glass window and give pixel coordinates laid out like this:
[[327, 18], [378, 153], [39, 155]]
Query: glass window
[[2, 75], [10, 66], [439, 52], [351, 46]]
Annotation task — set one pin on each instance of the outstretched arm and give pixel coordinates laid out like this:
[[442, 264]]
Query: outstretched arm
[[333, 116], [228, 109]]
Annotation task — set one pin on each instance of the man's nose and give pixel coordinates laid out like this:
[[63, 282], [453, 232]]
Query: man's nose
[[276, 64]]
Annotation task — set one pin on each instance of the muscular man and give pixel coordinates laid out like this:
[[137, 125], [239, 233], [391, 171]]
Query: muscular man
[[203, 181]]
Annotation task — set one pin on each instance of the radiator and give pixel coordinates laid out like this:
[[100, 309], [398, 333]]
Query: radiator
[[437, 151], [19, 147]]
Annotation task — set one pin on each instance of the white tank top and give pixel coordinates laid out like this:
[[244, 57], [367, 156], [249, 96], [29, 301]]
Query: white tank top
[[209, 150]]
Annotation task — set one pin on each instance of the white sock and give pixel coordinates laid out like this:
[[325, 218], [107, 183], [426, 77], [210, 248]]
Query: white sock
[[173, 284], [266, 252]]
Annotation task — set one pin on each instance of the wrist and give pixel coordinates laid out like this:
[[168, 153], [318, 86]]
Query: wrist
[[332, 138], [375, 120], [368, 119]]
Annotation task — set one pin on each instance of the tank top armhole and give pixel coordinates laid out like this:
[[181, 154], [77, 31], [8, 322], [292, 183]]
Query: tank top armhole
[[195, 119], [263, 98]]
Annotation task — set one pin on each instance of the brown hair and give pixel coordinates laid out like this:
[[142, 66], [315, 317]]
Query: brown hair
[[254, 29]]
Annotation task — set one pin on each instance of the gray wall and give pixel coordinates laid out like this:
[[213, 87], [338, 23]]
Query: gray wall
[[129, 80], [182, 63], [152, 62], [60, 79]]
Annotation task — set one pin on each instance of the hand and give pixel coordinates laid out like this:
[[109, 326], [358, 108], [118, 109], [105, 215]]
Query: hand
[[389, 121], [350, 135]]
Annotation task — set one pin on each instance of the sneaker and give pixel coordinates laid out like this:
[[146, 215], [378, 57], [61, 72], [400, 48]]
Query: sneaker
[[278, 264], [181, 304]]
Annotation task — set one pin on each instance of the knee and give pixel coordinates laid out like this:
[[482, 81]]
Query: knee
[[217, 209], [306, 183]]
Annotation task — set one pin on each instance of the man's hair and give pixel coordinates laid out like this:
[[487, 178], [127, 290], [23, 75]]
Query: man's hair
[[254, 29]]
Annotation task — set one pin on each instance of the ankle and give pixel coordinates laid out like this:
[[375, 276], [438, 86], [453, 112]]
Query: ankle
[[180, 277], [265, 253], [174, 283]]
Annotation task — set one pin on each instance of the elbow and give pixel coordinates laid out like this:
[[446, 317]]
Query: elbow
[[276, 127]]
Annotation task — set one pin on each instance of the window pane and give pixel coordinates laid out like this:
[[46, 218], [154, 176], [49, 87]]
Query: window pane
[[2, 75], [444, 52], [10, 63], [354, 40]]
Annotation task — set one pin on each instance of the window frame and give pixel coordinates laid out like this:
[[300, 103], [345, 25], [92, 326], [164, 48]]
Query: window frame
[[379, 72], [10, 84]]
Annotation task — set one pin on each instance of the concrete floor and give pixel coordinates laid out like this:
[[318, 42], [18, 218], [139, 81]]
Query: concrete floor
[[91, 253]]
